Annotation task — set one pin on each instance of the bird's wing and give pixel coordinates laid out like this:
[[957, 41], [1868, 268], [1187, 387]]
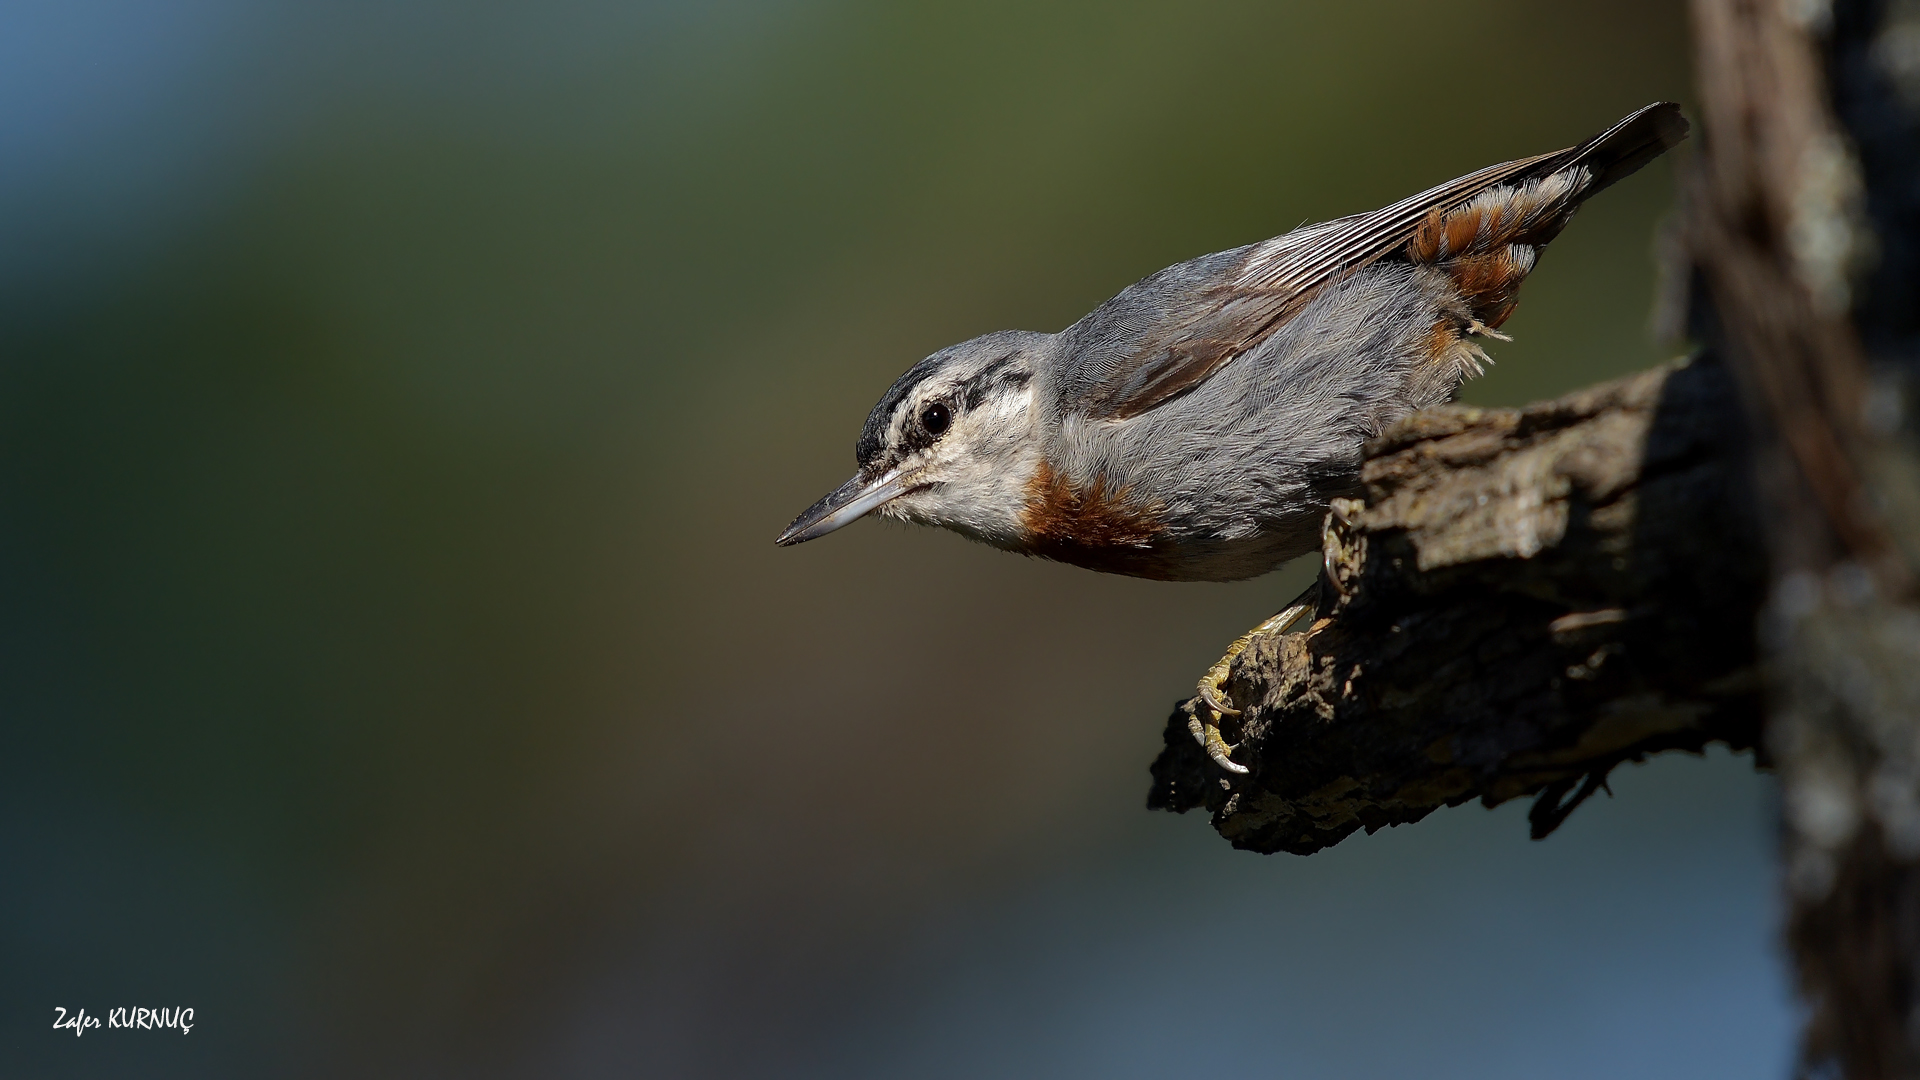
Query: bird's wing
[[1168, 333]]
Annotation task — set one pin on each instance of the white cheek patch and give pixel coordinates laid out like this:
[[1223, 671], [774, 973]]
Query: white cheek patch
[[1014, 405], [977, 471], [1006, 417]]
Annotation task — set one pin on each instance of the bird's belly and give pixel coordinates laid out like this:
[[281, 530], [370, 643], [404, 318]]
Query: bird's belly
[[1173, 558]]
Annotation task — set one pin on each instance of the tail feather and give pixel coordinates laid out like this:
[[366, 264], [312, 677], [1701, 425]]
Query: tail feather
[[1620, 151], [1490, 243]]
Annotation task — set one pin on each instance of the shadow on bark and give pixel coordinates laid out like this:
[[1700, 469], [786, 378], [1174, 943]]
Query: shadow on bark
[[1522, 600]]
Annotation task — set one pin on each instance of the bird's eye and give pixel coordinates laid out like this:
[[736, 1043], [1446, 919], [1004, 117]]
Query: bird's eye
[[935, 418]]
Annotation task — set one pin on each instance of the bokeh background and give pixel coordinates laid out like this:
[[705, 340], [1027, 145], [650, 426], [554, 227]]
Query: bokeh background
[[399, 401]]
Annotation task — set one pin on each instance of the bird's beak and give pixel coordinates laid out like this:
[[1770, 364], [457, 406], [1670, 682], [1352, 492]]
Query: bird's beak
[[849, 501]]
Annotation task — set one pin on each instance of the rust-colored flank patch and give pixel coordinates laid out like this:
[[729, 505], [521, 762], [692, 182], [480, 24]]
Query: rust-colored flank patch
[[1528, 214], [1487, 246], [1442, 338], [1094, 527], [1490, 283]]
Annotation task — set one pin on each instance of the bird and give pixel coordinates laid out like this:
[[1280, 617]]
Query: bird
[[1197, 426]]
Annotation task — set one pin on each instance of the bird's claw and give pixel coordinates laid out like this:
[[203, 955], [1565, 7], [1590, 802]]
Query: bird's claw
[[1207, 734], [1212, 699], [1213, 685]]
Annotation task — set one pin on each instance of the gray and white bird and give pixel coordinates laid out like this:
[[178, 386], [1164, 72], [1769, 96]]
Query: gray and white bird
[[1195, 426]]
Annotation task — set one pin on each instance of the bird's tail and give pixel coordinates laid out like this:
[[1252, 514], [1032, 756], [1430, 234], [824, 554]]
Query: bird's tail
[[1620, 151], [1490, 242]]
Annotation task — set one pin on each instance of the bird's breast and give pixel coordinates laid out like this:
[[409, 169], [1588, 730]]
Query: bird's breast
[[1097, 525]]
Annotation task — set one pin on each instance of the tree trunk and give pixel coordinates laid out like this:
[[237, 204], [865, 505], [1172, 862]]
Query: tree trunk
[[1802, 222]]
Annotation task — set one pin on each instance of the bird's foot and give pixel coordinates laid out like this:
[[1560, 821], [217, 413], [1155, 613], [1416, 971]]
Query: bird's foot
[[1205, 711]]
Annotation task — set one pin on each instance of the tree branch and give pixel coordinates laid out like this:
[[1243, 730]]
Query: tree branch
[[1522, 600]]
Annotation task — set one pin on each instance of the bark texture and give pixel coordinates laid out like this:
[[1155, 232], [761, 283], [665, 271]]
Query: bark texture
[[1522, 600], [1803, 221]]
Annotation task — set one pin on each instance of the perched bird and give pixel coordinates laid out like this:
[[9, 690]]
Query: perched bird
[[1194, 427]]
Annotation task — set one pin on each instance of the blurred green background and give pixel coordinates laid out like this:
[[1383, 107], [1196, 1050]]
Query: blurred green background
[[398, 404]]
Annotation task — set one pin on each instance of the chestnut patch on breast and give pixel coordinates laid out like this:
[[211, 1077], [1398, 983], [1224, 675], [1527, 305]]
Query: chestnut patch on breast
[[1095, 526]]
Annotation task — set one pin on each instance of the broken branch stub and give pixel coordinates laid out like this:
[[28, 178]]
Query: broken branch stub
[[1523, 599]]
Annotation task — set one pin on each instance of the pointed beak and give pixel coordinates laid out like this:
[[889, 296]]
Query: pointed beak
[[849, 501]]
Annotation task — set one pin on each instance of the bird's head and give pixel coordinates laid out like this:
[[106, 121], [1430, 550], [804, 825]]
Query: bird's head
[[952, 443]]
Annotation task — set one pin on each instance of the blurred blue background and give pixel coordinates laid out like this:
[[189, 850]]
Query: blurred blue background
[[398, 404]]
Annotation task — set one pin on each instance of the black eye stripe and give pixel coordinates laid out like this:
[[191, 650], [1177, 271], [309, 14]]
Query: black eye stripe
[[891, 422], [923, 427], [975, 390]]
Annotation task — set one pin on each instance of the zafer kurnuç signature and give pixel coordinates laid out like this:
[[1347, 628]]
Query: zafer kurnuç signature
[[145, 1019]]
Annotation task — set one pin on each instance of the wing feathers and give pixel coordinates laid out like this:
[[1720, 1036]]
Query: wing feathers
[[1163, 354]]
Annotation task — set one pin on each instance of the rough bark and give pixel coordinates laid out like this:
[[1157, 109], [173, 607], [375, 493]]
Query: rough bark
[[1522, 600], [1804, 221]]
